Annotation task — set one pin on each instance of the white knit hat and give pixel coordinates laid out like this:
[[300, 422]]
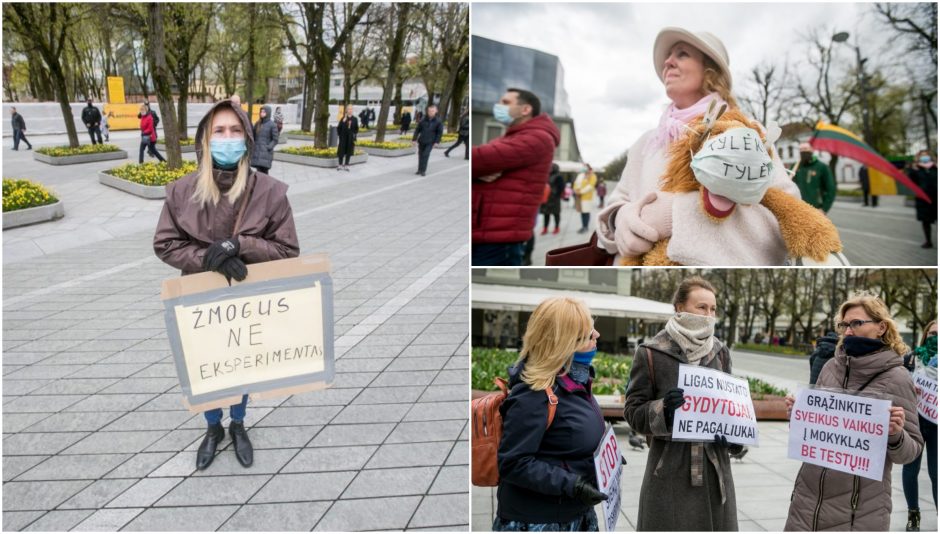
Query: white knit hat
[[705, 42]]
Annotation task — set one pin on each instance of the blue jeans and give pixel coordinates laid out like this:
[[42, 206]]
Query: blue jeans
[[497, 254], [586, 522], [235, 411], [910, 471], [95, 131]]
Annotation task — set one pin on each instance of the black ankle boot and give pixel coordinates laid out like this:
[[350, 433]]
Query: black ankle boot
[[206, 453], [913, 521], [242, 445]]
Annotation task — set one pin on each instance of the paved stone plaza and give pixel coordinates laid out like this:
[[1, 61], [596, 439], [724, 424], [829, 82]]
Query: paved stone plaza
[[95, 436]]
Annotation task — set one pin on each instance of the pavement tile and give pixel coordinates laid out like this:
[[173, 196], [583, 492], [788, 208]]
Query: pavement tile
[[304, 487], [123, 402], [177, 440], [410, 455], [290, 517], [330, 459], [16, 422], [388, 513], [41, 403], [301, 416], [73, 422], [150, 421], [354, 365], [437, 394], [39, 495], [439, 411], [441, 510], [327, 397], [372, 413], [366, 434], [391, 482], [380, 395], [142, 385], [460, 455], [98, 493], [109, 370], [203, 491], [426, 431], [454, 479], [268, 461], [40, 442], [75, 467], [419, 363], [22, 387], [451, 378], [353, 380], [145, 492], [59, 520], [197, 518], [278, 437], [13, 466], [140, 465], [405, 378], [18, 520], [115, 442]]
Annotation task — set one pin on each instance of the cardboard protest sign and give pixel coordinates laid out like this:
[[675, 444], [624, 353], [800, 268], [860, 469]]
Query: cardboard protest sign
[[838, 431], [608, 468], [270, 335], [927, 396], [715, 403]]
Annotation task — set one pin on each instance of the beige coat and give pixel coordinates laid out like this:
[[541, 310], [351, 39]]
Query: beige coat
[[823, 499]]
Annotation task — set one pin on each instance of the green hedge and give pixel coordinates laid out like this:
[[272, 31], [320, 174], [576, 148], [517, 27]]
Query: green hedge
[[188, 141], [23, 194], [62, 151], [152, 173], [299, 132], [849, 192], [314, 152], [775, 349]]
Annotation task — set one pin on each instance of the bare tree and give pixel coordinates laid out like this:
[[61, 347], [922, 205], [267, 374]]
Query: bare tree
[[396, 28], [767, 95], [162, 84]]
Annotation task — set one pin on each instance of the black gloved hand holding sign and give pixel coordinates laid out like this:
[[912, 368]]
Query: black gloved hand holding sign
[[585, 492], [672, 401], [218, 252], [233, 267]]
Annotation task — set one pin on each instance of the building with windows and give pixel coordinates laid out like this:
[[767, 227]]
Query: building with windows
[[498, 66]]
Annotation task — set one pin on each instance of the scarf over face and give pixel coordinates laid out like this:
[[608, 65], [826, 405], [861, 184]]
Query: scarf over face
[[693, 333]]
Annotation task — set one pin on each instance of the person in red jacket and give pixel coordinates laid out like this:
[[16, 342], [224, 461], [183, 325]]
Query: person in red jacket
[[509, 176], [148, 134]]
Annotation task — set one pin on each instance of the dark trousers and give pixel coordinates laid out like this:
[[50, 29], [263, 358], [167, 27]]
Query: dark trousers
[[910, 471], [925, 225], [466, 146], [491, 254], [150, 147], [18, 136], [343, 153], [585, 220], [866, 195], [424, 154], [92, 132], [549, 215], [235, 411]]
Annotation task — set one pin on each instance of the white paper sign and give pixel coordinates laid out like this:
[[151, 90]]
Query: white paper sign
[[843, 432], [608, 468], [927, 396], [715, 403]]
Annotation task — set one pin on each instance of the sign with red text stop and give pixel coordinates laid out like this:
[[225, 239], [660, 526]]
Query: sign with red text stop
[[609, 468]]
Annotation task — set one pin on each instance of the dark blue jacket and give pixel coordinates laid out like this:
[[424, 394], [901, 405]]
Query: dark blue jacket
[[428, 131], [538, 467], [825, 350]]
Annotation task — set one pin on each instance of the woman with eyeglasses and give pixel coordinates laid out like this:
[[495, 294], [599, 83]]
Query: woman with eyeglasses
[[687, 485], [925, 357], [546, 463], [867, 360]]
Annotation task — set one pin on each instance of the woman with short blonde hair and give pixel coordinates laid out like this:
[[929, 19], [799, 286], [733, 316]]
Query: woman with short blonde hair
[[546, 462]]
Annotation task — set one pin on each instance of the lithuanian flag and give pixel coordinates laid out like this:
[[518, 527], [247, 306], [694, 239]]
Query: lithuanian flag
[[842, 142]]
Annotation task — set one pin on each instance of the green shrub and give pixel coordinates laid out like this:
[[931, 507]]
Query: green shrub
[[611, 371], [387, 145], [22, 194], [849, 192], [188, 141], [776, 349], [152, 173], [314, 152], [300, 132], [759, 388], [62, 151]]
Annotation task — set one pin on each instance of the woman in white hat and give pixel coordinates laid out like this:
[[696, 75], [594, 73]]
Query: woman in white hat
[[694, 70]]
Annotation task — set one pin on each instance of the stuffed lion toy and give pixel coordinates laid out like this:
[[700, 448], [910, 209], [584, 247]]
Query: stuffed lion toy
[[806, 231]]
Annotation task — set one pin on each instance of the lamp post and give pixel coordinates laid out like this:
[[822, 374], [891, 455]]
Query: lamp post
[[842, 37]]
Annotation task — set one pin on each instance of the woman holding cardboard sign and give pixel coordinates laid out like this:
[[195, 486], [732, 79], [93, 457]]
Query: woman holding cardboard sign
[[868, 358], [546, 460], [687, 485], [220, 218]]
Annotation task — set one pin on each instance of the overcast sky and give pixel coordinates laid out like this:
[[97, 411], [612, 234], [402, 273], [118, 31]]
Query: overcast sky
[[606, 51]]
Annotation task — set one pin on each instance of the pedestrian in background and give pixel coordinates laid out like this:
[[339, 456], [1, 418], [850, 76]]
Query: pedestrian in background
[[463, 136], [584, 186], [552, 207], [427, 135], [601, 191], [262, 156], [509, 179], [924, 175], [148, 135], [687, 485], [106, 126], [924, 357], [218, 219], [546, 471], [405, 122], [813, 177], [346, 131], [278, 119], [864, 181], [867, 358], [824, 351], [91, 116], [364, 118], [19, 130]]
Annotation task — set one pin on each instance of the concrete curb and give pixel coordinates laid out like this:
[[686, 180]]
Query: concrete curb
[[387, 153], [49, 212], [152, 192], [184, 149], [298, 137], [329, 163], [81, 158]]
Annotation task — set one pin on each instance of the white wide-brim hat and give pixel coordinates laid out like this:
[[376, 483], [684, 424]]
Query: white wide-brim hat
[[706, 42]]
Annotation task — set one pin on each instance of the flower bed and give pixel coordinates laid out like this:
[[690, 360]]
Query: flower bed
[[387, 149], [299, 135], [447, 140], [187, 146], [65, 155], [316, 157], [147, 180], [26, 202]]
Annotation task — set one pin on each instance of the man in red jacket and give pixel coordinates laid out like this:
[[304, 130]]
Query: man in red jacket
[[509, 176]]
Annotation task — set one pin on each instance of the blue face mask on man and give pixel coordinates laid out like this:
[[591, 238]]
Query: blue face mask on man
[[226, 153], [501, 114], [925, 159]]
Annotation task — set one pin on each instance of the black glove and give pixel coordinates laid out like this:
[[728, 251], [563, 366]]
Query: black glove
[[235, 268], [586, 493], [721, 440], [672, 400], [218, 252]]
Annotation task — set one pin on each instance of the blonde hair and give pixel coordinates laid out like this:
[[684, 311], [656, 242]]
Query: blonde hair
[[206, 189], [876, 309], [557, 328], [715, 82]]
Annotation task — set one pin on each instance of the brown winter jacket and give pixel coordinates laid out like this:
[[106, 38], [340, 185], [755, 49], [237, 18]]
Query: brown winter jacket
[[822, 498], [687, 485], [186, 229]]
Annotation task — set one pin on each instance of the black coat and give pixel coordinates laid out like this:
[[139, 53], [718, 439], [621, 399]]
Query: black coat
[[428, 131], [405, 120], [364, 116], [18, 122], [347, 135], [926, 179], [825, 350], [538, 467], [91, 116], [266, 136], [464, 127], [553, 204]]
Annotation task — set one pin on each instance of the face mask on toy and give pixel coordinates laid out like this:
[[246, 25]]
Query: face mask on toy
[[735, 168]]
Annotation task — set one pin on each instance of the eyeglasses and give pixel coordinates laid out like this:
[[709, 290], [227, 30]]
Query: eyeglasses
[[853, 324]]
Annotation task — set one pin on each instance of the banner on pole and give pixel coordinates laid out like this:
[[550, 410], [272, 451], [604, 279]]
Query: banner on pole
[[715, 403]]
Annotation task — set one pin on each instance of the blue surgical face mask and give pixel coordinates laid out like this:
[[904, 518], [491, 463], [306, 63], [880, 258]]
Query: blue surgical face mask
[[227, 152], [585, 357], [501, 114], [925, 159]]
